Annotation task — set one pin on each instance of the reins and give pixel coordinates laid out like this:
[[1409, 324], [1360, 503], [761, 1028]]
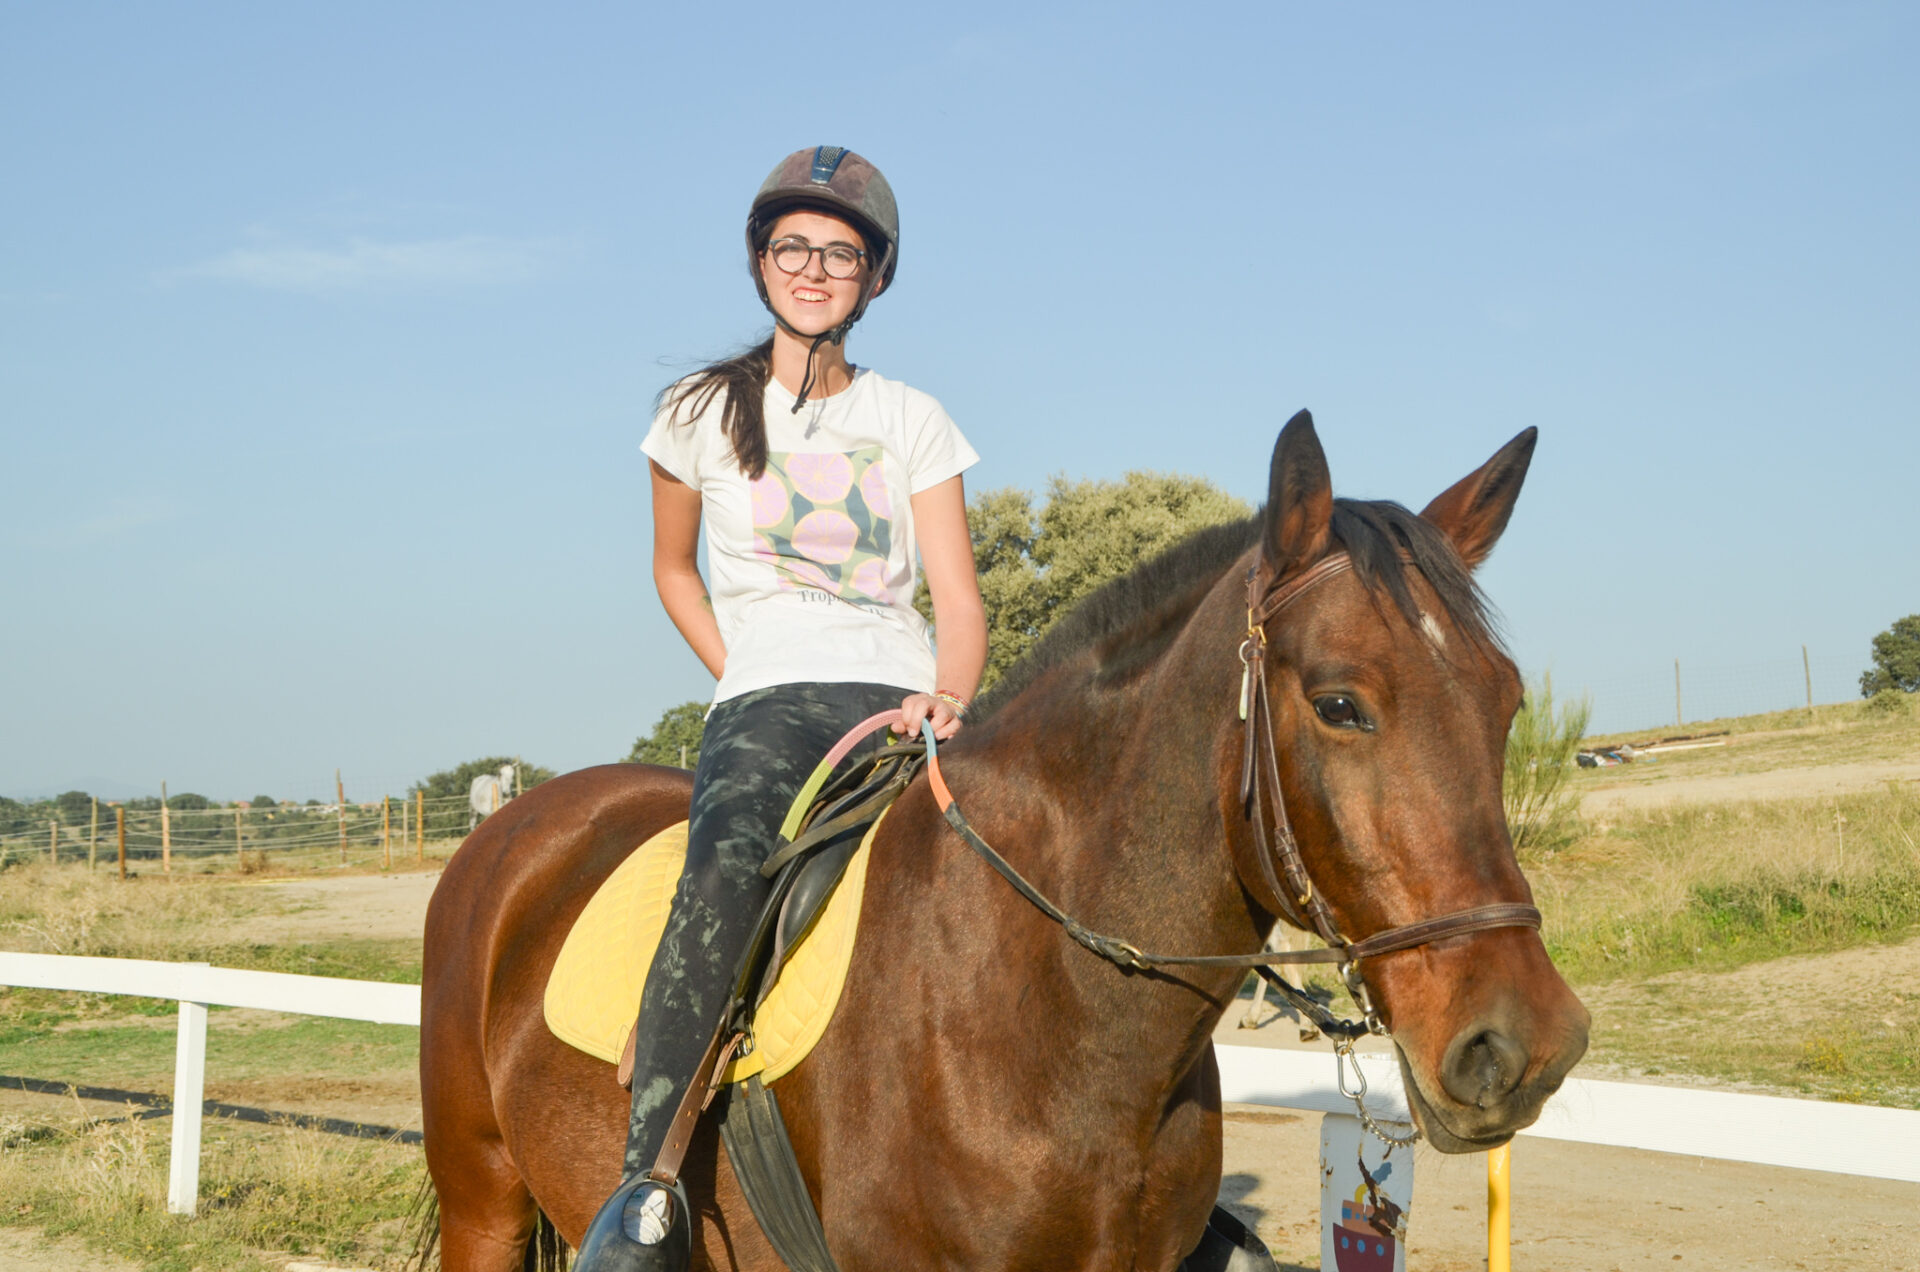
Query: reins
[[1284, 871]]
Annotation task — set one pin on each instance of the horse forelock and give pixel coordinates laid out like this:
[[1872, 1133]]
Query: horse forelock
[[1389, 544]]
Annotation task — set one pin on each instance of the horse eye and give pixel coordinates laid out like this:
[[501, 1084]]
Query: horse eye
[[1339, 711]]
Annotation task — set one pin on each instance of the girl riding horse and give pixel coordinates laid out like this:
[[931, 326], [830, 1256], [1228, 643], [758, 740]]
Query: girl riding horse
[[816, 481]]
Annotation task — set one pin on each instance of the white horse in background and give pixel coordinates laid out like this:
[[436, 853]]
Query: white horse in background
[[1281, 940], [488, 792]]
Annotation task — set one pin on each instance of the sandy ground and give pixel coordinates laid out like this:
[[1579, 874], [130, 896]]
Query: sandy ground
[[25, 1250], [1657, 790], [372, 907], [1585, 1207]]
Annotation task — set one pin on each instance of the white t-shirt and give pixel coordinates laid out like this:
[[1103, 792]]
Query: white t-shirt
[[813, 566]]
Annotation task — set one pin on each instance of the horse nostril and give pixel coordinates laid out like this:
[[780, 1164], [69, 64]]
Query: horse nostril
[[1482, 1068]]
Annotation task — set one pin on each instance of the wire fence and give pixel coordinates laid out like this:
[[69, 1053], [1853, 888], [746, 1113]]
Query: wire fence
[[1679, 693], [246, 836]]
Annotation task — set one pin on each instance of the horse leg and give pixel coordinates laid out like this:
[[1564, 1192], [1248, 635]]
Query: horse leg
[[1182, 1179], [487, 1215]]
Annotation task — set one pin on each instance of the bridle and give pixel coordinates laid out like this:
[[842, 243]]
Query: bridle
[[1282, 868], [1301, 904]]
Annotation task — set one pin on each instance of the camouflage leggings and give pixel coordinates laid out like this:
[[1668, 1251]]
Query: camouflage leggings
[[756, 752]]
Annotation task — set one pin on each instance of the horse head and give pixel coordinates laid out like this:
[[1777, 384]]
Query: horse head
[[1390, 700]]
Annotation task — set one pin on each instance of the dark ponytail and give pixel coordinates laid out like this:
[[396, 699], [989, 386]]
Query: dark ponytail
[[743, 377]]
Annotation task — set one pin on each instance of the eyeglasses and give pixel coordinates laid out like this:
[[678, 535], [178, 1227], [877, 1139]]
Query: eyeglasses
[[837, 259]]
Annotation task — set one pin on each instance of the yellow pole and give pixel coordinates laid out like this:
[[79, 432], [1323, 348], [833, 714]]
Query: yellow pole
[[420, 827], [1499, 1209]]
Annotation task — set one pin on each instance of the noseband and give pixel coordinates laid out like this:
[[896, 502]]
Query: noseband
[[1301, 904]]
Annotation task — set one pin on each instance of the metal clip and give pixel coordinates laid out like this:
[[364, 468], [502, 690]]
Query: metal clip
[[1343, 1055]]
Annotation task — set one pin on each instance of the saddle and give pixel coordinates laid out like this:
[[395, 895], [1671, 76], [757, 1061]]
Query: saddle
[[800, 948]]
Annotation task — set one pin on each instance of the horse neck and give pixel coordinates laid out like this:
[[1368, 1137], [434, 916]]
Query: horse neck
[[1137, 844]]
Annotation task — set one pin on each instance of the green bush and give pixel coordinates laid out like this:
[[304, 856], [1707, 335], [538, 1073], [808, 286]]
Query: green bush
[[1890, 702], [1543, 813]]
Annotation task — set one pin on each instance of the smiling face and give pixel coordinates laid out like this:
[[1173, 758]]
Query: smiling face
[[811, 302]]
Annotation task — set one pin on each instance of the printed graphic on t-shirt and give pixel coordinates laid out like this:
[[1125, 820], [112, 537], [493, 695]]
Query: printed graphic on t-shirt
[[823, 520]]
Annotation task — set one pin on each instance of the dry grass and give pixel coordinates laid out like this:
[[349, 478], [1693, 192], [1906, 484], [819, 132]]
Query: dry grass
[[1723, 885], [66, 909], [1840, 733], [267, 1193]]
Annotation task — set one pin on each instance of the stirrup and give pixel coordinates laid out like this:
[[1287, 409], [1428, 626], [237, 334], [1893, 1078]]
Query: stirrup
[[609, 1246]]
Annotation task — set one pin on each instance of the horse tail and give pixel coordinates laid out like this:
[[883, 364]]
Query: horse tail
[[423, 1221], [546, 1249]]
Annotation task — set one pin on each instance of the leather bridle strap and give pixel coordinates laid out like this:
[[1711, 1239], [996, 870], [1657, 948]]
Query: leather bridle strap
[[1300, 903]]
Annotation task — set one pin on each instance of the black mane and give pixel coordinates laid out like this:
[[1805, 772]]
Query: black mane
[[1126, 621]]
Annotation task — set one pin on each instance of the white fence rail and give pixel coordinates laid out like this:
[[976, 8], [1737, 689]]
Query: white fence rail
[[1846, 1139], [196, 986], [1849, 1139]]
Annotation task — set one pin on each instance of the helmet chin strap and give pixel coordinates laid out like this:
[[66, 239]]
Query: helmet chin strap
[[835, 335]]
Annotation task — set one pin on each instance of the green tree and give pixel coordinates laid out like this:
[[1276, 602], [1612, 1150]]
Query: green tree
[[75, 807], [452, 818], [459, 779], [1035, 566], [188, 802], [678, 727], [1543, 812], [1896, 659]]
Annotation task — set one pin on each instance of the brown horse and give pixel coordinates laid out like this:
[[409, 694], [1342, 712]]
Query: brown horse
[[990, 1094]]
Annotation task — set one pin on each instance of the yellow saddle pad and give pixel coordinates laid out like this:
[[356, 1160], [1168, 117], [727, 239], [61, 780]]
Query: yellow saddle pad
[[593, 993]]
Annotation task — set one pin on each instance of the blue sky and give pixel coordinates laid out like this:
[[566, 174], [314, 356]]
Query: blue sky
[[327, 335]]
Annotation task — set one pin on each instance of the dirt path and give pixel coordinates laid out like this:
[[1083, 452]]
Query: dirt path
[[1586, 1208], [374, 907], [1655, 789], [29, 1250]]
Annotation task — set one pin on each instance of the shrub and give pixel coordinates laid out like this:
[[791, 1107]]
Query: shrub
[[1543, 813], [1889, 702]]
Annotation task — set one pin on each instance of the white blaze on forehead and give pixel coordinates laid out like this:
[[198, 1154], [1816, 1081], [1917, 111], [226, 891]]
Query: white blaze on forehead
[[1432, 628]]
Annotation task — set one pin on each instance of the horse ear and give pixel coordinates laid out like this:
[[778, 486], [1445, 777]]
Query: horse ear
[[1299, 512], [1474, 510]]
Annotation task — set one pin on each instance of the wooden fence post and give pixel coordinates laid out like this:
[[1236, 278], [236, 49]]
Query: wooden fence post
[[53, 842], [93, 835], [340, 804], [120, 830], [1807, 667], [166, 833], [239, 846], [386, 832], [420, 827]]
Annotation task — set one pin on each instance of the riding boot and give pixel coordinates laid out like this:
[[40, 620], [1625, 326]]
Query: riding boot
[[646, 1226]]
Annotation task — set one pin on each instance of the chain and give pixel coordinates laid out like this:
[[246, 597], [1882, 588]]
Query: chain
[[1343, 1056]]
